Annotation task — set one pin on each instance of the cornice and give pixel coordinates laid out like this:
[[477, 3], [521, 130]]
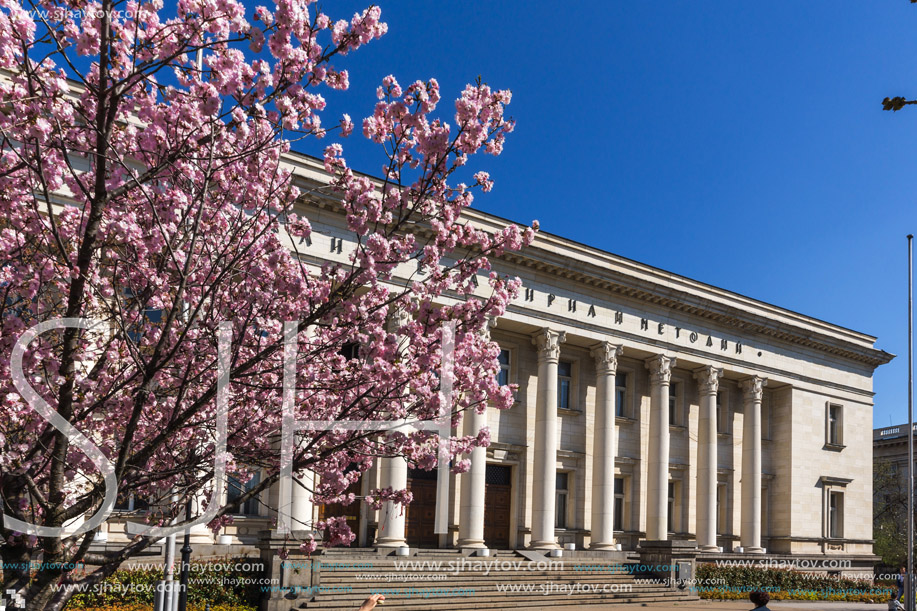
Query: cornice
[[619, 276], [708, 307]]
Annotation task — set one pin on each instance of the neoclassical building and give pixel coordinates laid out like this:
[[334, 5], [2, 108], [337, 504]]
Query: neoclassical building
[[650, 406]]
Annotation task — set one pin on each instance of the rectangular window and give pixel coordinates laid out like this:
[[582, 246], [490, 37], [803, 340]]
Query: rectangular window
[[503, 374], [564, 384], [674, 420], [350, 350], [621, 394], [130, 502], [835, 433], [671, 512], [720, 413], [237, 489], [721, 509], [560, 505], [619, 504], [835, 515]]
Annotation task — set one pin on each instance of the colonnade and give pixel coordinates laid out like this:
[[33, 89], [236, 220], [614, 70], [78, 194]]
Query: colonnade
[[660, 366], [394, 471]]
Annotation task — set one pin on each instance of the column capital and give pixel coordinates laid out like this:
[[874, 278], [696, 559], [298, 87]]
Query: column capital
[[660, 367], [606, 356], [753, 388], [489, 323], [708, 379], [398, 317], [548, 342]]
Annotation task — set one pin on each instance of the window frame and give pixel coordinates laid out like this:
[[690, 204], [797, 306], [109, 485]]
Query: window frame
[[835, 514], [245, 509], [505, 368], [561, 500], [625, 409], [674, 507], [723, 420], [834, 426], [677, 403], [833, 519], [722, 508], [619, 503], [570, 385], [350, 351], [134, 503]]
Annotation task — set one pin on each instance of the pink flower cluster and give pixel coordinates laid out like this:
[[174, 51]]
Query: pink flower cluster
[[153, 194]]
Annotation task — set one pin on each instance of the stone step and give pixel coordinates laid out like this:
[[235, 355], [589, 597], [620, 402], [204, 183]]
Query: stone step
[[345, 563], [465, 588], [483, 594], [368, 568], [474, 579], [503, 601], [441, 576], [488, 587]]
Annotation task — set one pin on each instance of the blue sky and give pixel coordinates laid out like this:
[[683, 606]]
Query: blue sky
[[742, 144]]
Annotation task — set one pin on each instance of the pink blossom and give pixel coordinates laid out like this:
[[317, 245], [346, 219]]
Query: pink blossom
[[198, 218], [346, 125]]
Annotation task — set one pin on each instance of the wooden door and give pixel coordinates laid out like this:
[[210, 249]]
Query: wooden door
[[498, 498], [420, 519], [351, 512]]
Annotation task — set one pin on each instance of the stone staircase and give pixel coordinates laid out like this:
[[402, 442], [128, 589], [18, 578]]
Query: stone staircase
[[450, 580]]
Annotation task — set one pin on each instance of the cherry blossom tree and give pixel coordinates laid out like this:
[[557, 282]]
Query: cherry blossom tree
[[143, 186]]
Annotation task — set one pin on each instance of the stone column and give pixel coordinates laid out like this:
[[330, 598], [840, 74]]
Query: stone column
[[393, 473], [471, 521], [657, 504], [545, 476], [753, 389], [708, 383], [603, 458], [302, 508]]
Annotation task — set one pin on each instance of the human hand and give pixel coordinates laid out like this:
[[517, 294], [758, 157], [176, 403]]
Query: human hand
[[372, 601]]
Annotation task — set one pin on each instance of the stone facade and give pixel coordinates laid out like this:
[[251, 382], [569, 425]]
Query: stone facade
[[650, 406]]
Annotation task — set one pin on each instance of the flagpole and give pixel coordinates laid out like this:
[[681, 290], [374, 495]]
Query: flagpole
[[909, 603]]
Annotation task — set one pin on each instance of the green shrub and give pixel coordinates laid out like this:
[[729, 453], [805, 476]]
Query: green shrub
[[735, 583], [216, 583]]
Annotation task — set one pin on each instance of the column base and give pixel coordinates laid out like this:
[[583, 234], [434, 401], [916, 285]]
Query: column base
[[752, 550], [471, 543], [391, 542], [544, 545], [603, 547], [708, 548]]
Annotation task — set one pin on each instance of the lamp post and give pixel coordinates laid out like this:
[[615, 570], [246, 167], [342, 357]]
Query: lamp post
[[185, 563], [909, 590]]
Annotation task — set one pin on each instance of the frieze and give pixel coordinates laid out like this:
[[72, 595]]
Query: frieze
[[630, 321], [692, 337]]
